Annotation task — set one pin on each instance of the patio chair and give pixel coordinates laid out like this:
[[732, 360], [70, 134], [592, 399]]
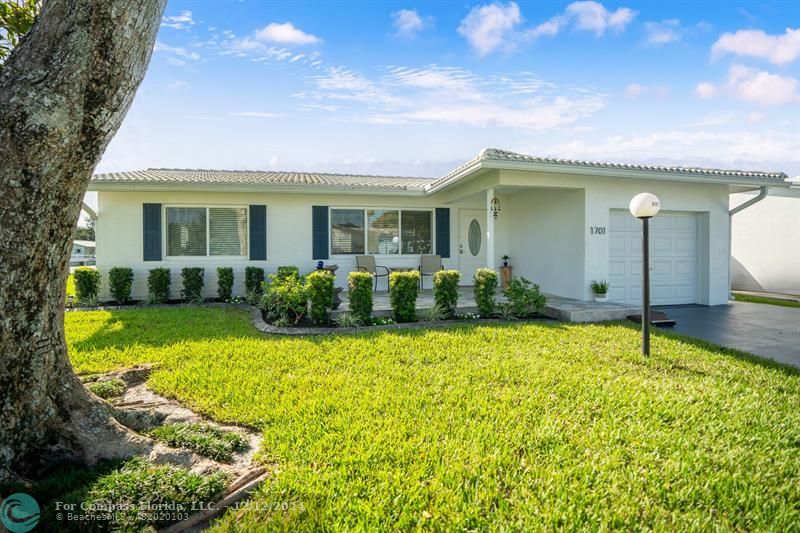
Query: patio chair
[[428, 266], [366, 263]]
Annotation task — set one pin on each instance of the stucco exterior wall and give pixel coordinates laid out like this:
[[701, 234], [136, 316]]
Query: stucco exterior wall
[[119, 234], [766, 243]]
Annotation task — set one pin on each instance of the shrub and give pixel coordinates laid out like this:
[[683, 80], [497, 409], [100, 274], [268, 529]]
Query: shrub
[[286, 271], [285, 299], [120, 282], [192, 284], [485, 280], [359, 285], [403, 289], [87, 283], [224, 283], [348, 320], [445, 291], [600, 286], [253, 278], [158, 280], [434, 313], [320, 295], [524, 298], [109, 388]]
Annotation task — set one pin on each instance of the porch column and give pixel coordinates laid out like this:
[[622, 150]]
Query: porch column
[[489, 230]]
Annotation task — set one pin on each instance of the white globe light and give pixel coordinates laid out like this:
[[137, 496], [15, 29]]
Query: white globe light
[[395, 239], [645, 205]]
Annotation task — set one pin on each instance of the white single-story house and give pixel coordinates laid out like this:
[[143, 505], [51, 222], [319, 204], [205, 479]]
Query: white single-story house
[[82, 253], [563, 223], [765, 247]]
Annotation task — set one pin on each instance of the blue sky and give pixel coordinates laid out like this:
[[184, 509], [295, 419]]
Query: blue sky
[[416, 88]]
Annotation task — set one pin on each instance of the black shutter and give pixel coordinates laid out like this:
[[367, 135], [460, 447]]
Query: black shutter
[[443, 231], [151, 217], [258, 233], [319, 231]]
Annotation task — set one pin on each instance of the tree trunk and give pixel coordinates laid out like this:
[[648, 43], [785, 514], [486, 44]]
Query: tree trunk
[[63, 94]]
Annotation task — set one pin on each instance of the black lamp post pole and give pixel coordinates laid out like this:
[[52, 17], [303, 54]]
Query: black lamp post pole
[[646, 286]]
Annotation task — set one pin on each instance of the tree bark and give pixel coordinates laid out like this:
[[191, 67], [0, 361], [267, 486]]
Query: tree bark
[[63, 94]]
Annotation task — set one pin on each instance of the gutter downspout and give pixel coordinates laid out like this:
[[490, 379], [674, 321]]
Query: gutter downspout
[[762, 193], [89, 211]]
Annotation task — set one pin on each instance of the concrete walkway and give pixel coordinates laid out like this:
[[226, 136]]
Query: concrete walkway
[[766, 330], [557, 307]]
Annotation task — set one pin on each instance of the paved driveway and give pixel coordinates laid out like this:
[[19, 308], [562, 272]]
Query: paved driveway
[[766, 330]]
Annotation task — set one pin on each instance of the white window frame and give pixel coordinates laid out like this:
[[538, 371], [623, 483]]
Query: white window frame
[[165, 233], [400, 210]]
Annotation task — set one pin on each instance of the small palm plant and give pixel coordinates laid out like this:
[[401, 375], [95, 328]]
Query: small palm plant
[[600, 290]]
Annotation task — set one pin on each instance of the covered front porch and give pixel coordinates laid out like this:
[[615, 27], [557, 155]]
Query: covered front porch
[[558, 307]]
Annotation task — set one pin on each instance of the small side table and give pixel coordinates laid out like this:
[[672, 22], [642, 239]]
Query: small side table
[[335, 301]]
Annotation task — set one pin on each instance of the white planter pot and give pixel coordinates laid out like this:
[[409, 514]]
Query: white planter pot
[[601, 297]]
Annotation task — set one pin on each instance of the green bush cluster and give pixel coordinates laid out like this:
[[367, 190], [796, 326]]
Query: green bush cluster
[[158, 281], [320, 295], [285, 299], [192, 283], [120, 283], [87, 284], [403, 290], [286, 271], [253, 282], [445, 291], [524, 298], [359, 286], [485, 281], [224, 283], [110, 388]]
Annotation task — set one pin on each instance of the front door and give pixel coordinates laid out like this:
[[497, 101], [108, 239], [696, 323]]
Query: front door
[[471, 244]]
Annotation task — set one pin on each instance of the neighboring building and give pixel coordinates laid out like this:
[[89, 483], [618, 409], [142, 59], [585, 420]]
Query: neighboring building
[[564, 223], [766, 242], [82, 253]]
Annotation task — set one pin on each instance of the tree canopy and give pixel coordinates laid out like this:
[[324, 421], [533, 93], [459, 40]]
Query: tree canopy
[[16, 19]]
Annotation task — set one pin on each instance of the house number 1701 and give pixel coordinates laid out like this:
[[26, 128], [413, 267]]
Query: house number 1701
[[597, 230]]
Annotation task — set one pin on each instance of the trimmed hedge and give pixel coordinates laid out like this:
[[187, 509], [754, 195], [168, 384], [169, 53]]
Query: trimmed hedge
[[403, 290], [524, 298], [192, 283], [359, 286], [253, 278], [485, 281], [158, 280], [319, 285], [445, 290], [224, 283], [285, 300], [120, 283], [87, 284], [286, 271]]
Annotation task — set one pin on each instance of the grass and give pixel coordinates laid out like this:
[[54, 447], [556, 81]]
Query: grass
[[134, 486], [541, 425], [203, 439], [765, 300], [110, 388]]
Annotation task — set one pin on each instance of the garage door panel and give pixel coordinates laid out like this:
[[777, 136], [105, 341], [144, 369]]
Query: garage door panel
[[673, 251]]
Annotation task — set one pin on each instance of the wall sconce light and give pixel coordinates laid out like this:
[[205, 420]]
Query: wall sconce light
[[495, 207]]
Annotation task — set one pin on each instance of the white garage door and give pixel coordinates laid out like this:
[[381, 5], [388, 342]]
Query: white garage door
[[673, 258]]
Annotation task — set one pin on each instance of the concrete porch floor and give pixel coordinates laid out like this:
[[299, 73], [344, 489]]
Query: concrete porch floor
[[558, 307]]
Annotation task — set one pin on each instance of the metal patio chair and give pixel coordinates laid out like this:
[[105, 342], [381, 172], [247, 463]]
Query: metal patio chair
[[366, 263], [428, 266]]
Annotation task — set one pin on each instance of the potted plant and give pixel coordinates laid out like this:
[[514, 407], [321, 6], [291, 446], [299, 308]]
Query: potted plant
[[505, 271], [600, 290]]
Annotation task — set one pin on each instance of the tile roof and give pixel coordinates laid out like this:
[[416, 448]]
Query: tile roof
[[163, 176], [167, 176], [494, 154]]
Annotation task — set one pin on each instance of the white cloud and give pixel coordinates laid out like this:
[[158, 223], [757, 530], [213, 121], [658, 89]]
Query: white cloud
[[285, 34], [182, 21], [761, 87], [705, 90], [175, 55], [488, 27], [408, 23], [177, 85], [448, 95], [635, 90], [255, 114], [777, 49], [663, 32], [593, 16], [755, 117]]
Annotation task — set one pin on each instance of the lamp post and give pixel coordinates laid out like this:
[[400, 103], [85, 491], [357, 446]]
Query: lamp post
[[645, 206]]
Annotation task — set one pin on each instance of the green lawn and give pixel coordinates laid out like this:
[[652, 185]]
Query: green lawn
[[765, 300], [480, 426]]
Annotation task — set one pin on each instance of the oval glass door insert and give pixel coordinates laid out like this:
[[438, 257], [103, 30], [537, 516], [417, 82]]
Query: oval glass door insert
[[474, 237]]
